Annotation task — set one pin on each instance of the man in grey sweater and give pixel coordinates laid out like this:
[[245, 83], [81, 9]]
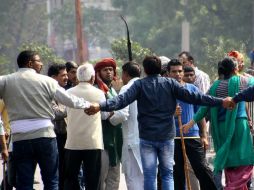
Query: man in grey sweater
[[28, 96]]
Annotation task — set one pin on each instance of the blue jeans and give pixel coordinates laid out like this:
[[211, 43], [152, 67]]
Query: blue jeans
[[27, 153], [151, 151]]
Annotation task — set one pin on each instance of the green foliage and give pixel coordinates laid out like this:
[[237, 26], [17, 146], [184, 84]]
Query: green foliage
[[101, 27], [215, 26], [155, 24], [20, 21], [3, 62], [46, 53], [215, 50], [120, 51]]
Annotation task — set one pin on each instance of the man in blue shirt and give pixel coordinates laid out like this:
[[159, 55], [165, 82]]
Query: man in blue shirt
[[156, 97], [193, 145]]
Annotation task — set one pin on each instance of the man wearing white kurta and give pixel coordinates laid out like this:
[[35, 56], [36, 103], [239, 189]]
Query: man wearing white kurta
[[84, 134], [131, 160]]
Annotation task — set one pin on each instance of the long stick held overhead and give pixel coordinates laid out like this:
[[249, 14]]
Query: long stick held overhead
[[128, 39]]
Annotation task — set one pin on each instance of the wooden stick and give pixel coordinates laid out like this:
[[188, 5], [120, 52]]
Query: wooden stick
[[4, 176], [186, 171]]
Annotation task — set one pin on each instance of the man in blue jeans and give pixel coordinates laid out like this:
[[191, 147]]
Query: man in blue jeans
[[156, 97]]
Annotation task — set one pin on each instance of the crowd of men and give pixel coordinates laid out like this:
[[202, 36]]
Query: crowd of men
[[78, 129]]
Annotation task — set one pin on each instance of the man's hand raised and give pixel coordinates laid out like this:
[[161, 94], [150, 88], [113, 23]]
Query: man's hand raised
[[93, 109]]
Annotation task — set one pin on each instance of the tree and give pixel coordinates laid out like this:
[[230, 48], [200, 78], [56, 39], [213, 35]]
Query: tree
[[20, 21], [217, 50], [4, 60], [120, 51], [47, 54], [156, 24]]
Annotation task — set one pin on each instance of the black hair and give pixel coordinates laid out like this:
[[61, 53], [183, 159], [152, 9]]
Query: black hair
[[55, 68], [226, 67], [70, 65], [174, 62], [152, 65], [184, 52], [24, 57], [190, 58], [188, 69], [132, 69], [220, 70]]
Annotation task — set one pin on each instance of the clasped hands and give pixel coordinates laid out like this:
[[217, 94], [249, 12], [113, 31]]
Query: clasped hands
[[93, 109], [228, 103]]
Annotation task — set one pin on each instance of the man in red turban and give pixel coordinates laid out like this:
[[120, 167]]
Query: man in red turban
[[105, 73]]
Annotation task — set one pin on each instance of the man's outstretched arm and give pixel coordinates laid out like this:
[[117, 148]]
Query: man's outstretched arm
[[199, 98], [116, 103], [95, 107], [246, 95]]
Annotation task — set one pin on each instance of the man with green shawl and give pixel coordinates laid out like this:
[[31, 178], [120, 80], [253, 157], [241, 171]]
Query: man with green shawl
[[105, 71]]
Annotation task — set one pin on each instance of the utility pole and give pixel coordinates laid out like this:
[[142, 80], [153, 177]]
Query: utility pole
[[81, 51], [185, 29], [185, 36], [49, 23]]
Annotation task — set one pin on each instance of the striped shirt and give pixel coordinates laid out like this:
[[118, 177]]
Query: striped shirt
[[222, 90]]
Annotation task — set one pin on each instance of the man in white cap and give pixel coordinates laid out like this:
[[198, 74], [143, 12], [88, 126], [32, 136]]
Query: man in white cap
[[84, 134], [164, 64]]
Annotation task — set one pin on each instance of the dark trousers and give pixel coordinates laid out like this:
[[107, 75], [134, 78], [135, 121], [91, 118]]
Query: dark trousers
[[196, 156], [61, 139], [27, 154], [92, 164]]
